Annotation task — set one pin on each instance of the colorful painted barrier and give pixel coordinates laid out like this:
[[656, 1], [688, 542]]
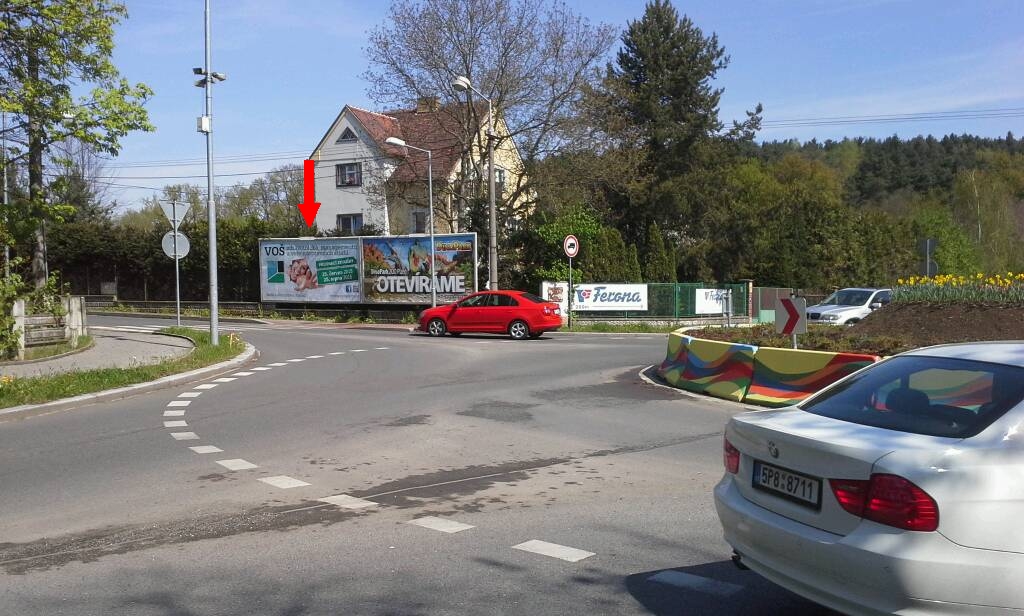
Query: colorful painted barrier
[[759, 375], [787, 376], [675, 360], [719, 369]]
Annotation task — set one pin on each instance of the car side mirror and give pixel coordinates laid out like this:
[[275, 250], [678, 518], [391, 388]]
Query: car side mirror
[[875, 305]]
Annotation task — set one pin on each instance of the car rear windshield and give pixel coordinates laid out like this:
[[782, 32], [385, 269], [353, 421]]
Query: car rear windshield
[[534, 298], [936, 396]]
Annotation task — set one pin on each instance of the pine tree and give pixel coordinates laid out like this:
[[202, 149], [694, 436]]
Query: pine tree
[[659, 266]]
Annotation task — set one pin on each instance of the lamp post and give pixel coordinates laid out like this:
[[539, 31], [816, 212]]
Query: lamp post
[[205, 125], [430, 200], [463, 84]]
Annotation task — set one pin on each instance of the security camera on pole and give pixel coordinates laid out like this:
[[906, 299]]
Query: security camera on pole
[[571, 246]]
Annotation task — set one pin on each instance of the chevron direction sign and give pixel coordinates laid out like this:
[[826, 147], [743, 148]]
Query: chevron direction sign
[[791, 315]]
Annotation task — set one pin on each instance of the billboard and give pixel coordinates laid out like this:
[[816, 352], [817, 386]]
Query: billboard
[[609, 297], [713, 301], [396, 269], [324, 270]]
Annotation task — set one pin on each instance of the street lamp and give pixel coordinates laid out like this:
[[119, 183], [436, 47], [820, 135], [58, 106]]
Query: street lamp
[[205, 125], [430, 200], [462, 84]]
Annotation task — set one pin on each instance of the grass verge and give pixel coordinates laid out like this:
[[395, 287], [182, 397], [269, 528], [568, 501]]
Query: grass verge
[[39, 389], [57, 349], [622, 328]]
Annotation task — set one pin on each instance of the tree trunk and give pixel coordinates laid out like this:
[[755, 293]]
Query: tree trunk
[[35, 184]]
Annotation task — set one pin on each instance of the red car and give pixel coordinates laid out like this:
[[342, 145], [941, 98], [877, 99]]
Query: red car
[[516, 313]]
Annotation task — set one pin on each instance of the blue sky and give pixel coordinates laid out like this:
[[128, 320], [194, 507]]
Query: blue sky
[[293, 64]]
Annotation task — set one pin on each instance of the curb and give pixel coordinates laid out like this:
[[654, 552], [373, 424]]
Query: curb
[[249, 353], [160, 315], [697, 397]]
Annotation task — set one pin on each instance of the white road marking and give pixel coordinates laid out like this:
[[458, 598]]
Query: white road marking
[[173, 413], [175, 424], [358, 350], [242, 374], [190, 394], [206, 449], [277, 364], [483, 341], [553, 550], [381, 348], [347, 502], [314, 356], [284, 482], [174, 403], [185, 436], [338, 353], [694, 582], [225, 379], [294, 361], [236, 464], [205, 386], [262, 369], [442, 524]]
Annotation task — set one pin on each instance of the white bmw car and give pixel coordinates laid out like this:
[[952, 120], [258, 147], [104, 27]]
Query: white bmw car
[[898, 490]]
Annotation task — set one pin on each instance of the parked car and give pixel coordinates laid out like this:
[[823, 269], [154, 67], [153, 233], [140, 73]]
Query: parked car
[[516, 313], [897, 490], [847, 306]]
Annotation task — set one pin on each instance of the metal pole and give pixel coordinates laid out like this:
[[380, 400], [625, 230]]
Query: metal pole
[[569, 304], [492, 243], [177, 284], [430, 201], [3, 152], [211, 214]]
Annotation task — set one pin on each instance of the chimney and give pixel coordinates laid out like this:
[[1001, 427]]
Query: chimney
[[427, 104]]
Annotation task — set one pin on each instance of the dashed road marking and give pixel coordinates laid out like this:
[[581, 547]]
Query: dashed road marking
[[174, 403], [294, 361], [357, 351], [284, 482], [561, 552], [314, 356], [442, 524], [175, 424], [242, 374], [173, 413], [381, 348], [262, 369], [185, 436], [278, 364], [348, 502], [225, 379], [483, 341], [237, 464], [694, 582], [205, 386], [206, 449], [190, 394], [338, 353]]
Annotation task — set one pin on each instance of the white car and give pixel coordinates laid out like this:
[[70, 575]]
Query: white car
[[847, 306], [897, 490]]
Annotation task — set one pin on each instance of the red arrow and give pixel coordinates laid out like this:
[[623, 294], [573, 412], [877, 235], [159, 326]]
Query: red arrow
[[309, 206], [794, 316]]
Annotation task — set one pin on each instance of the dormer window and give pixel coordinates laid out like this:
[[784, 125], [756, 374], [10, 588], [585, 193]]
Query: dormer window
[[348, 174], [347, 135]]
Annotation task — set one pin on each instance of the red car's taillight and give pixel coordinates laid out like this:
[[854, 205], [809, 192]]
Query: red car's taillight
[[888, 499], [730, 456]]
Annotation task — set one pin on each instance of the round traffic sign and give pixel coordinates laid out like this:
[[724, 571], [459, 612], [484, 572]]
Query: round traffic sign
[[167, 243], [571, 245]]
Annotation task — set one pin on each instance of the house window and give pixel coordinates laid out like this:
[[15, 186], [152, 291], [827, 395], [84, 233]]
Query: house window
[[347, 135], [348, 174], [350, 224], [419, 221], [499, 182]]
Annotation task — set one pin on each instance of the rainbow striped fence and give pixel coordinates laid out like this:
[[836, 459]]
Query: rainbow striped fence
[[758, 375]]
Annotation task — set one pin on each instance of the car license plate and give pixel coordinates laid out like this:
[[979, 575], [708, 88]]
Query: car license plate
[[788, 484]]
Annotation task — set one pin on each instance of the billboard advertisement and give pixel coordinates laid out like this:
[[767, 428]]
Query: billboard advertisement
[[396, 270], [632, 297], [713, 301], [324, 270]]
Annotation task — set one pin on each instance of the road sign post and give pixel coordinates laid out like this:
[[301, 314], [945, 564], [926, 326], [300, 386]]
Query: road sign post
[[791, 316], [571, 246], [176, 246]]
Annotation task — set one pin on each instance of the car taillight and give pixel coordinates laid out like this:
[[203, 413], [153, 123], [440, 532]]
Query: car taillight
[[888, 499], [730, 456], [547, 310]]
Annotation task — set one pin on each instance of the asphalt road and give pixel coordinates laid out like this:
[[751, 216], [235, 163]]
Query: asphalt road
[[474, 475]]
